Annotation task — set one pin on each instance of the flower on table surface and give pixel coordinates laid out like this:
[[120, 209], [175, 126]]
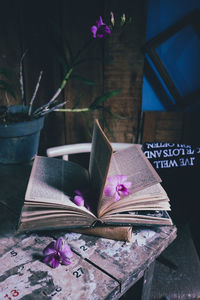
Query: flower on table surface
[[81, 198], [57, 253], [101, 30], [117, 187]]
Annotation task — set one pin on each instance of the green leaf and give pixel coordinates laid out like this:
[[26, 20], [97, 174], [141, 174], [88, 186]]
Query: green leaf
[[77, 102], [83, 60], [7, 87], [87, 124], [114, 115], [64, 51], [108, 127], [81, 51], [63, 62], [6, 72], [117, 116], [106, 60], [82, 79], [102, 99]]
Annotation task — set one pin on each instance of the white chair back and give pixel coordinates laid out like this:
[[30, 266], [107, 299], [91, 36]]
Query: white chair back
[[66, 150]]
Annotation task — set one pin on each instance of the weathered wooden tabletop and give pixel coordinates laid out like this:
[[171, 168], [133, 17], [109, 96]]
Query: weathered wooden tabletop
[[100, 268]]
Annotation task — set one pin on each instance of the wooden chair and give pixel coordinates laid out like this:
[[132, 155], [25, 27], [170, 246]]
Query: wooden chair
[[177, 271]]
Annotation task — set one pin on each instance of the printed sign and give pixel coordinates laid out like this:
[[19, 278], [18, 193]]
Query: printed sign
[[171, 155]]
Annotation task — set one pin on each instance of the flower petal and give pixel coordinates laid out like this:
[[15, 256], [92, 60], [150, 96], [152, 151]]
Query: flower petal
[[113, 180], [78, 192], [54, 263], [47, 259], [100, 22], [109, 190], [65, 261], [87, 206], [107, 29], [117, 187], [127, 184], [101, 30], [100, 35], [50, 249], [51, 261], [59, 244], [94, 31], [66, 251], [125, 192], [121, 178], [117, 197], [78, 200]]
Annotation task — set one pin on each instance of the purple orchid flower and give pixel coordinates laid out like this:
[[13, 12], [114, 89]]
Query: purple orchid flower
[[81, 198], [101, 30], [56, 253], [118, 186]]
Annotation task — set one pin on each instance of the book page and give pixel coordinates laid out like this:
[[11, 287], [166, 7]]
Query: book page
[[152, 194], [139, 217], [48, 200], [99, 160], [53, 181], [132, 163]]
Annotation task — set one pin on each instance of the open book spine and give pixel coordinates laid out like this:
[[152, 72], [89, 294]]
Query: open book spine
[[119, 233]]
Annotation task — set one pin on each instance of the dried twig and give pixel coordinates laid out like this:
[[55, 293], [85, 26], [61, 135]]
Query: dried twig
[[39, 109], [55, 96], [48, 110], [21, 81], [48, 106], [35, 93]]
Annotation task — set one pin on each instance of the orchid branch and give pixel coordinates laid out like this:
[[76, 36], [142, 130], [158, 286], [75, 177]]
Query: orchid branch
[[84, 109], [76, 60], [63, 83], [48, 110], [80, 52], [100, 30], [45, 107]]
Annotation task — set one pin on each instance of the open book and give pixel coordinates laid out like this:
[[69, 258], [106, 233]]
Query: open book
[[137, 199]]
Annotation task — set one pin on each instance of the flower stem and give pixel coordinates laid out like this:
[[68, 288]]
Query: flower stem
[[63, 83], [66, 78], [74, 109]]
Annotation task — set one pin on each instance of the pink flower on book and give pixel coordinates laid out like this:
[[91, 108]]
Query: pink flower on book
[[101, 30], [57, 253], [117, 187], [81, 198]]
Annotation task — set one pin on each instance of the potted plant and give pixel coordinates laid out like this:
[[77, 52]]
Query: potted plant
[[20, 125]]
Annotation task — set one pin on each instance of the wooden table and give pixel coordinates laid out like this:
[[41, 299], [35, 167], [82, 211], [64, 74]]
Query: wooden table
[[100, 269]]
